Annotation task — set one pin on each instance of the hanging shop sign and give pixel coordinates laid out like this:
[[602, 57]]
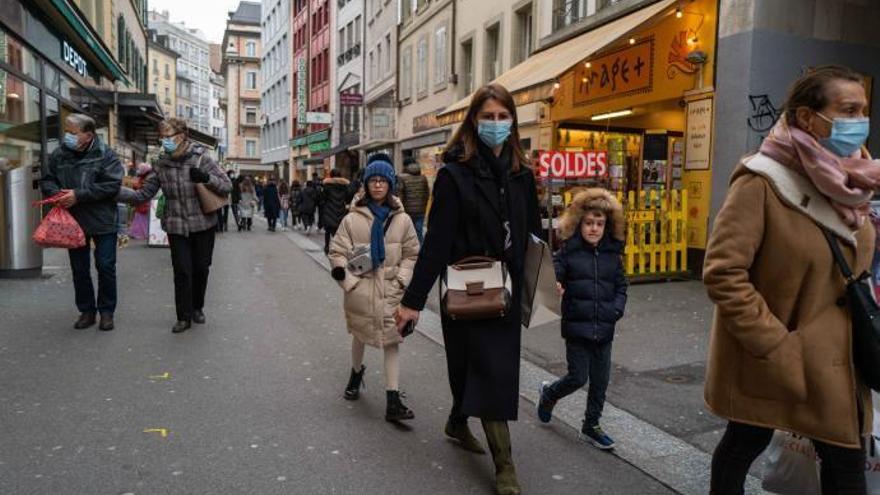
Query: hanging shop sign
[[699, 134], [72, 58], [425, 122], [301, 96], [572, 164], [626, 71], [351, 99], [319, 118]]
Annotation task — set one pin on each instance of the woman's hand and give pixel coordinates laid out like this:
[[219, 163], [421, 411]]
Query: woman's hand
[[404, 315], [560, 289]]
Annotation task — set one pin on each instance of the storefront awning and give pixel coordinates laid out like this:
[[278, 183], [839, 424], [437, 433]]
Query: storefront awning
[[545, 67]]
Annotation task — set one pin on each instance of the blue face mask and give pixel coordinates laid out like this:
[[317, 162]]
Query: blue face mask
[[494, 132], [169, 145], [847, 135], [71, 141]]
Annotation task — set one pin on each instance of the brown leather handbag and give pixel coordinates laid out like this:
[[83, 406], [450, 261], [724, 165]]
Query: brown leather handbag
[[475, 288], [209, 200]]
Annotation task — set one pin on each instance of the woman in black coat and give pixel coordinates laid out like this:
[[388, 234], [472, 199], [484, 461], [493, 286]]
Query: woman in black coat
[[271, 204], [308, 203], [484, 203]]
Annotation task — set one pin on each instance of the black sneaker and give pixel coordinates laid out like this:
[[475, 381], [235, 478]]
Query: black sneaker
[[181, 326], [198, 316], [395, 410], [545, 405], [597, 438]]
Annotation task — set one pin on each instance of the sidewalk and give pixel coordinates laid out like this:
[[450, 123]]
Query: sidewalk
[[655, 401]]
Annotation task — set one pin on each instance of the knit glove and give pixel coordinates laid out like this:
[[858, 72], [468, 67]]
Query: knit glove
[[196, 175], [338, 273]]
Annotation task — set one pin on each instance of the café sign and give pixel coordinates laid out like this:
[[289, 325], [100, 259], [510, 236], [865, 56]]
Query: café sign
[[572, 164], [74, 59], [622, 72]]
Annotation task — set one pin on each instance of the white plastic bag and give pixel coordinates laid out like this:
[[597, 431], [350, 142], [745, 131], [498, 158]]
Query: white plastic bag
[[792, 467]]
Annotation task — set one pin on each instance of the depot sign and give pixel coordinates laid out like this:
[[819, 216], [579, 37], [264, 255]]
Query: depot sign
[[572, 164]]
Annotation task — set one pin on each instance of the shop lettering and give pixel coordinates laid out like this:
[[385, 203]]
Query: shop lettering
[[73, 59], [621, 72], [573, 164]]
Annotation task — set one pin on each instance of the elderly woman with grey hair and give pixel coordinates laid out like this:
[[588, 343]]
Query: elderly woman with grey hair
[[184, 164], [88, 174]]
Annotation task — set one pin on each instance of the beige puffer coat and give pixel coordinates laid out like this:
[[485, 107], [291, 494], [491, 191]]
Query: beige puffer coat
[[371, 299]]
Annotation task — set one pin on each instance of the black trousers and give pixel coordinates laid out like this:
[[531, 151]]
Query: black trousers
[[842, 471], [191, 258], [328, 236], [223, 219]]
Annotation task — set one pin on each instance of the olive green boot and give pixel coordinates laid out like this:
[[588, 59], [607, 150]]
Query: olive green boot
[[459, 430], [498, 436]]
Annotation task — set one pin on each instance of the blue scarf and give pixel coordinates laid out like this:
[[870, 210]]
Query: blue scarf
[[377, 233]]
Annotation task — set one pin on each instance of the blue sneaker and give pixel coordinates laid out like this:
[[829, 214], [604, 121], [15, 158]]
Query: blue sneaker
[[597, 438], [545, 406]]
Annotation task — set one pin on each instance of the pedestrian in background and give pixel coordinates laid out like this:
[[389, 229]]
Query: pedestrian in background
[[258, 190], [376, 220], [414, 194], [319, 187], [248, 204], [140, 223], [235, 197], [284, 194], [271, 203], [335, 198], [89, 174], [223, 212], [182, 165], [296, 204], [485, 203], [592, 283], [308, 204], [780, 350], [122, 212]]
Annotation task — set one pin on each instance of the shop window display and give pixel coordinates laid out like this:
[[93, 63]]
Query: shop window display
[[19, 123]]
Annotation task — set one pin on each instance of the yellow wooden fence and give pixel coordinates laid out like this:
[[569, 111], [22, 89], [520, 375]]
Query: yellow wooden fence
[[656, 233]]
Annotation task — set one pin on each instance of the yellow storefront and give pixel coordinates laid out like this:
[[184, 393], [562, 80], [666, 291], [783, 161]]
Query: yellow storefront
[[646, 100]]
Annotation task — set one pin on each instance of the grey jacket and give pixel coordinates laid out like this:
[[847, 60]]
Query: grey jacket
[[183, 212], [95, 175]]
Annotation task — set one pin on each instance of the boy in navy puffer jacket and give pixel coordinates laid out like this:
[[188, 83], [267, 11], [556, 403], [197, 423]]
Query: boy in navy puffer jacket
[[591, 281]]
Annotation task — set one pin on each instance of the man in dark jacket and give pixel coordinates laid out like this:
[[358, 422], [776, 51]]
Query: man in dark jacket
[[414, 193], [308, 203], [235, 197], [89, 174], [335, 197]]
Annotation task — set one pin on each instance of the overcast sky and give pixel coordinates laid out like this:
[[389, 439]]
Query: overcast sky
[[207, 15]]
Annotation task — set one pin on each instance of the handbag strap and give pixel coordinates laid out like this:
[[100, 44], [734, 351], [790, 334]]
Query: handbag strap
[[838, 257]]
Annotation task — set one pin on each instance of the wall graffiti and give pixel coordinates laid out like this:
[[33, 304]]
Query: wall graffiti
[[764, 113]]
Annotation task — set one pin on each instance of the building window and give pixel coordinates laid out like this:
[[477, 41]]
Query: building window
[[379, 73], [406, 73], [250, 48], [493, 58], [251, 80], [422, 67], [388, 56], [523, 36], [467, 67], [167, 72], [406, 11], [372, 72], [250, 148], [250, 114], [440, 56]]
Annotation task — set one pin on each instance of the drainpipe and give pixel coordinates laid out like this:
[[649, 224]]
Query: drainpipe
[[453, 75]]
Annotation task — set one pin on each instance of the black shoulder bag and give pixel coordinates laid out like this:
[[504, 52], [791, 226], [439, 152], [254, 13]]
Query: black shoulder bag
[[865, 315]]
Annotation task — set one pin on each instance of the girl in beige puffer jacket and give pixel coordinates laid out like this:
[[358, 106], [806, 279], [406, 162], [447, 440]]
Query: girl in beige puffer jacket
[[376, 220]]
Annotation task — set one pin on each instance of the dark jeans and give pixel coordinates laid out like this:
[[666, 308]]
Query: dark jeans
[[235, 214], [419, 224], [587, 362], [842, 471], [105, 263], [328, 236], [223, 219], [272, 222], [191, 258]]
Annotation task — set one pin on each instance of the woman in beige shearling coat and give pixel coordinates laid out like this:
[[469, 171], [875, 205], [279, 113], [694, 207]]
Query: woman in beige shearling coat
[[780, 353], [371, 298]]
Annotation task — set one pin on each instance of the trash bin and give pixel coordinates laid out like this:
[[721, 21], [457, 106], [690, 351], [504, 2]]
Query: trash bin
[[20, 257]]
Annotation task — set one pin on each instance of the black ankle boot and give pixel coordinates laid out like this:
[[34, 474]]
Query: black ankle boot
[[355, 382], [396, 411]]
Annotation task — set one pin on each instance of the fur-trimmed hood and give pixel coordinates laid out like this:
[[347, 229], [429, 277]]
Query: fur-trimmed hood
[[340, 181], [594, 198]]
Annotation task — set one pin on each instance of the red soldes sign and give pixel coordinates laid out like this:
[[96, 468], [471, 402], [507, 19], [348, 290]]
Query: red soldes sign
[[572, 164]]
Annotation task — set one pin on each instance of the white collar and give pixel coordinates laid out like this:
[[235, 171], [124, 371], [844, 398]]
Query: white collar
[[799, 193]]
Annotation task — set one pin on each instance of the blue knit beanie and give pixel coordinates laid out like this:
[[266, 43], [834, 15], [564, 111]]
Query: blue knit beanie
[[380, 164]]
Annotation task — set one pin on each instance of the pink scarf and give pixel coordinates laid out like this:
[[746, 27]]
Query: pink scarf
[[848, 183]]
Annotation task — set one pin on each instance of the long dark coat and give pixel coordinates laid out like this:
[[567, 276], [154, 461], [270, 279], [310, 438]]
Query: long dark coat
[[482, 357], [271, 201], [308, 200], [335, 199]]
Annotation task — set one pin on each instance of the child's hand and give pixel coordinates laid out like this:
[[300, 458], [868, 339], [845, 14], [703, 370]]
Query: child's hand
[[560, 289]]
